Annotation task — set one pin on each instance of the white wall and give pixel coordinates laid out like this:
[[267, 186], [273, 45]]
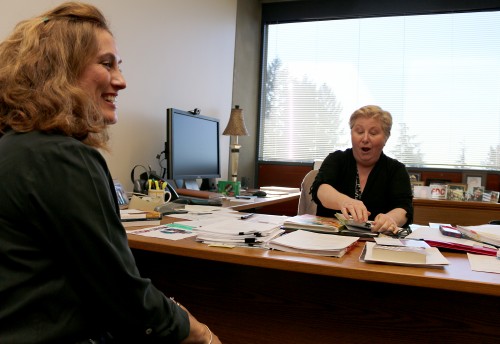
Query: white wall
[[176, 53], [246, 83]]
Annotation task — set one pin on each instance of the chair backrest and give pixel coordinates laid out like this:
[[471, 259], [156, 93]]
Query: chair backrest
[[306, 203]]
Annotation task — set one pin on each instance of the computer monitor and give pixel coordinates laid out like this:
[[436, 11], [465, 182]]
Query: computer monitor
[[192, 149]]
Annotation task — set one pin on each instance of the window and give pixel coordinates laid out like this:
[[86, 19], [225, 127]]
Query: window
[[438, 75]]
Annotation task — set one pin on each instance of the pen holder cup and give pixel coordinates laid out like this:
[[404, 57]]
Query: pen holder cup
[[162, 195]]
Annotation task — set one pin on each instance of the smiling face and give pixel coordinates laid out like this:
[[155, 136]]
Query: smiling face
[[102, 78], [368, 140]]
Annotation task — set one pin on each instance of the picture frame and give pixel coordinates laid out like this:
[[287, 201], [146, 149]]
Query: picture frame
[[475, 194], [494, 196], [415, 176], [473, 179], [415, 183], [456, 191]]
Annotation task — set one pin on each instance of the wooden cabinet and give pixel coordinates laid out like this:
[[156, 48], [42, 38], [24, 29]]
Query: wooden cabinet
[[454, 212]]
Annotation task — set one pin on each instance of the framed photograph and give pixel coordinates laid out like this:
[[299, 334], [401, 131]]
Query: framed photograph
[[438, 191], [415, 183], [456, 192], [473, 180], [415, 176], [494, 196], [477, 194]]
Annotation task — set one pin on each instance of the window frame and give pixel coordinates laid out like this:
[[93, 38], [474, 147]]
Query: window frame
[[300, 11]]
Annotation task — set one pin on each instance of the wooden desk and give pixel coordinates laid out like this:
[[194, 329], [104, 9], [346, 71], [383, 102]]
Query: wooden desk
[[241, 205], [454, 212], [257, 296]]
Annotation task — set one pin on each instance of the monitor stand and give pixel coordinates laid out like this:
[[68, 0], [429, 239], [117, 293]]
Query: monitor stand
[[191, 184]]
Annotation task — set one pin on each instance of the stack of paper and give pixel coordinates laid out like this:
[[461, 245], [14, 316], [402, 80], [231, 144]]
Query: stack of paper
[[247, 231], [435, 238], [219, 227], [135, 217], [313, 243], [489, 234]]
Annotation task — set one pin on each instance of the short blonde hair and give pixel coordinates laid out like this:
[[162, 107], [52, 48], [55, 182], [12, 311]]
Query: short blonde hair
[[376, 112], [40, 64]]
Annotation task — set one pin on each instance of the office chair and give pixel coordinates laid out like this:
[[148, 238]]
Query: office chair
[[306, 203]]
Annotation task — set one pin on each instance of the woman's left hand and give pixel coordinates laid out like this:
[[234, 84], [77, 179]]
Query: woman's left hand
[[384, 223]]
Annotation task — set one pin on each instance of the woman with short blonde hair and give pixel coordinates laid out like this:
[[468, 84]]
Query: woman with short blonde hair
[[362, 182]]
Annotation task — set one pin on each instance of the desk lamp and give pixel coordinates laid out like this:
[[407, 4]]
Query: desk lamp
[[235, 127]]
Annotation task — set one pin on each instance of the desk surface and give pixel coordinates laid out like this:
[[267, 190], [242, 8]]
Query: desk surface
[[457, 276], [257, 296], [241, 204]]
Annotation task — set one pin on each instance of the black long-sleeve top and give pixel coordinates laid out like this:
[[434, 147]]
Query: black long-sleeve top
[[388, 185], [66, 271]]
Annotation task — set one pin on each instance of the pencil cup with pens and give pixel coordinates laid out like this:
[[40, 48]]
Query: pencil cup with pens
[[157, 190]]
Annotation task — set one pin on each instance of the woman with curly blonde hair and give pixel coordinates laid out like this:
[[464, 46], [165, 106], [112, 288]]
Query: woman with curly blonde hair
[[40, 64], [67, 273]]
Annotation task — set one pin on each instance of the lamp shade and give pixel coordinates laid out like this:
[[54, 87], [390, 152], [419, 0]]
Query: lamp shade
[[236, 124]]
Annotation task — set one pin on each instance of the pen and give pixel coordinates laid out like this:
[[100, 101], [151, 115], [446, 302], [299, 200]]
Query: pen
[[244, 217]]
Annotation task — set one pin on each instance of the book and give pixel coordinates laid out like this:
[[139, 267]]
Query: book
[[134, 218], [301, 241], [315, 223], [322, 224], [400, 254], [488, 234], [406, 253]]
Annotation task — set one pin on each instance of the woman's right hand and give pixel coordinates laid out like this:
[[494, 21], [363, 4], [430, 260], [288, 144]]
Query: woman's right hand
[[350, 207], [355, 209]]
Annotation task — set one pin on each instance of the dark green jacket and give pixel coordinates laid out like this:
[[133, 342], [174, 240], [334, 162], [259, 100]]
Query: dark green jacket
[[66, 271]]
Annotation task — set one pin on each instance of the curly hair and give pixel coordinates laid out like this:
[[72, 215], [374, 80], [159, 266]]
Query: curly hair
[[376, 112], [40, 63]]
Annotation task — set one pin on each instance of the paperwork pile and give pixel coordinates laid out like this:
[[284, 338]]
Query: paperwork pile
[[488, 234], [301, 241], [435, 238], [247, 231], [219, 226]]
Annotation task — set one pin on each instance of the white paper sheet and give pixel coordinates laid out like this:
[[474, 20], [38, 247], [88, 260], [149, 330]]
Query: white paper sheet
[[484, 263]]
